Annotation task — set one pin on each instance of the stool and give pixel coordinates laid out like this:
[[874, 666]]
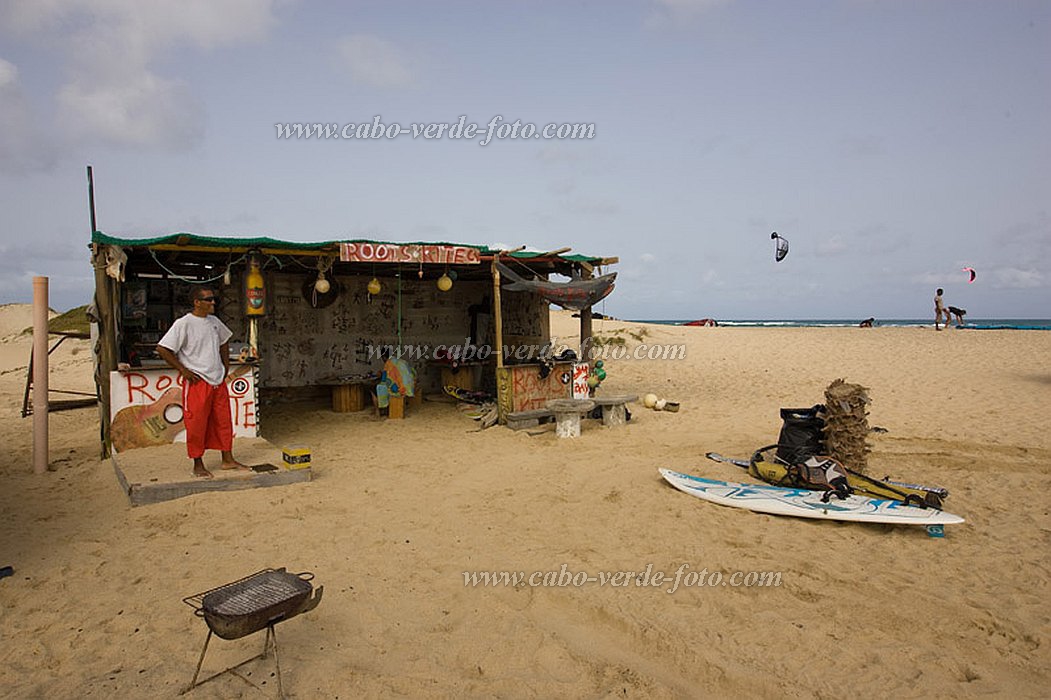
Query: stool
[[567, 415], [348, 397]]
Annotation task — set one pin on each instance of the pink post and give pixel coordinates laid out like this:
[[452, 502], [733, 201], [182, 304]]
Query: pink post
[[40, 393]]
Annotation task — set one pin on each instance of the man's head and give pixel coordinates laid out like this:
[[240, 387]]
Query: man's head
[[204, 301], [939, 292]]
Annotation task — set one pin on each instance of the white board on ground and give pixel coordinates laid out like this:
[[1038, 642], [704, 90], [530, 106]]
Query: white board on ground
[[801, 503]]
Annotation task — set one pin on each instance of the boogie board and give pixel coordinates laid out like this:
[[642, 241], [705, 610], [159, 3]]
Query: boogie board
[[802, 503]]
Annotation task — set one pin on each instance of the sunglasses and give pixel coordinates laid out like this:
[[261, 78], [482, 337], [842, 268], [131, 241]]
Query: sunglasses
[[211, 300]]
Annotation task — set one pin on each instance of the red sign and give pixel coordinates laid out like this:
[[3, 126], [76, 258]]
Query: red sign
[[412, 253]]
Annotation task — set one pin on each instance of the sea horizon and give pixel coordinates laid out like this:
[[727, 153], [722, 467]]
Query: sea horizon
[[975, 324]]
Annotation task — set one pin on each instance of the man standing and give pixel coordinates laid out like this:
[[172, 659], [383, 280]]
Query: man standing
[[198, 347], [939, 309]]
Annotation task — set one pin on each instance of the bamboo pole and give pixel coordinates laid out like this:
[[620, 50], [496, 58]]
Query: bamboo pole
[[40, 376]]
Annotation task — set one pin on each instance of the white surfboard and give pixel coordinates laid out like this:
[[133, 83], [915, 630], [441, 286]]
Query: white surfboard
[[802, 503]]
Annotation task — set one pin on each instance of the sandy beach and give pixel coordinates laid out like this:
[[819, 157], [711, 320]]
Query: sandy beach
[[400, 510]]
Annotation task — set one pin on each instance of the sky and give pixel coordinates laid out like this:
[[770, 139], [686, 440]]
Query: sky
[[892, 143]]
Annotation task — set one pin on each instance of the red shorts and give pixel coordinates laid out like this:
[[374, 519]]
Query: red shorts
[[206, 417]]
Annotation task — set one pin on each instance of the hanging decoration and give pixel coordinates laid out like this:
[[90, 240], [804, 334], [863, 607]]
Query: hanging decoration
[[255, 290], [577, 294], [322, 285], [445, 283], [324, 289]]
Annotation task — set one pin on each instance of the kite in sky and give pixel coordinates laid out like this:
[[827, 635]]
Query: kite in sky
[[973, 274], [782, 247]]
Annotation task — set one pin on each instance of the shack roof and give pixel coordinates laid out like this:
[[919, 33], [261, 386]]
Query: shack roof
[[218, 244]]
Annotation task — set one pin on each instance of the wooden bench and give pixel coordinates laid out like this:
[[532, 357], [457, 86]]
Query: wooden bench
[[614, 408]]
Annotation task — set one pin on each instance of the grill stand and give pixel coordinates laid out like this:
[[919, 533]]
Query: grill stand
[[271, 641]]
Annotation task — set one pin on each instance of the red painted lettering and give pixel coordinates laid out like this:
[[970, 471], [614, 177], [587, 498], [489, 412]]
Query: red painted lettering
[[137, 383]]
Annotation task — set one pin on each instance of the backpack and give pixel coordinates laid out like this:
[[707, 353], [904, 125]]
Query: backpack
[[802, 434]]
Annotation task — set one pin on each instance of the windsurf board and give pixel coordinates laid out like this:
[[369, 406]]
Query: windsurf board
[[802, 503]]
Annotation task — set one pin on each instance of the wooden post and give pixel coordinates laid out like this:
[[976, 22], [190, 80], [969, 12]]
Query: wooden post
[[585, 326], [498, 321], [585, 335], [106, 354], [40, 375]]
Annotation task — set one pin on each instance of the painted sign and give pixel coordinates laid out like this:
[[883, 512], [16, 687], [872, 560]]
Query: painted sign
[[146, 406], [531, 390], [409, 253], [581, 372]]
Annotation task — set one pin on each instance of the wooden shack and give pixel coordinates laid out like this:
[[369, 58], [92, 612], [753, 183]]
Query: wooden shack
[[328, 311]]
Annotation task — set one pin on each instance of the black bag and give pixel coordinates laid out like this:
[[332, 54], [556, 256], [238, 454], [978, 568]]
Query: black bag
[[802, 434]]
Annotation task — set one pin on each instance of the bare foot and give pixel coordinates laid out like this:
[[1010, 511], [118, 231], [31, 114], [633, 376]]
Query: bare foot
[[234, 464], [202, 473]]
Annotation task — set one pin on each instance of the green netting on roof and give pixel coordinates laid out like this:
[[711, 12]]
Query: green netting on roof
[[224, 243]]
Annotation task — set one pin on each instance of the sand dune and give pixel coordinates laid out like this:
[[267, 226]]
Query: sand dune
[[400, 510]]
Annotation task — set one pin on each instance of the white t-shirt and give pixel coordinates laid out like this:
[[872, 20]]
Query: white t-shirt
[[196, 340]]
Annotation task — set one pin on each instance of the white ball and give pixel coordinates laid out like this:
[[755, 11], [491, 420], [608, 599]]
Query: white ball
[[322, 286], [661, 403], [649, 400]]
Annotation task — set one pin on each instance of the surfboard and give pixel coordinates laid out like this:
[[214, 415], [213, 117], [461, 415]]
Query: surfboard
[[802, 503]]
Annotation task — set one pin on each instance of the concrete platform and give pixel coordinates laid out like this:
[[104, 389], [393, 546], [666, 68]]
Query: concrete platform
[[155, 474]]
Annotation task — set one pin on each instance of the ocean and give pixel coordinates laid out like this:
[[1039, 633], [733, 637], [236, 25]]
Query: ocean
[[1038, 324]]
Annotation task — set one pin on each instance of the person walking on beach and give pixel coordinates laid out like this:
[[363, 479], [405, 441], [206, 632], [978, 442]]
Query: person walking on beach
[[939, 309], [197, 346]]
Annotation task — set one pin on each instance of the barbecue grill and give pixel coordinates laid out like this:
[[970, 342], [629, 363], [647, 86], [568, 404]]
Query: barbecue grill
[[250, 604]]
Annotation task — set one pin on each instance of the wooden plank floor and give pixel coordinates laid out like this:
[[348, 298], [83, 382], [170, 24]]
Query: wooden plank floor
[[154, 474]]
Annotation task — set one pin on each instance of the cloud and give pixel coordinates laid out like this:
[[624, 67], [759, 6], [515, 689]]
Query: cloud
[[8, 74], [375, 61], [113, 93], [861, 146], [1016, 278], [23, 147], [590, 206], [142, 110], [671, 13], [559, 154], [831, 247]]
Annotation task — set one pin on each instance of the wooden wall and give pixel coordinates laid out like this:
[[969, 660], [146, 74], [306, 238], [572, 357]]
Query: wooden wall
[[301, 345]]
